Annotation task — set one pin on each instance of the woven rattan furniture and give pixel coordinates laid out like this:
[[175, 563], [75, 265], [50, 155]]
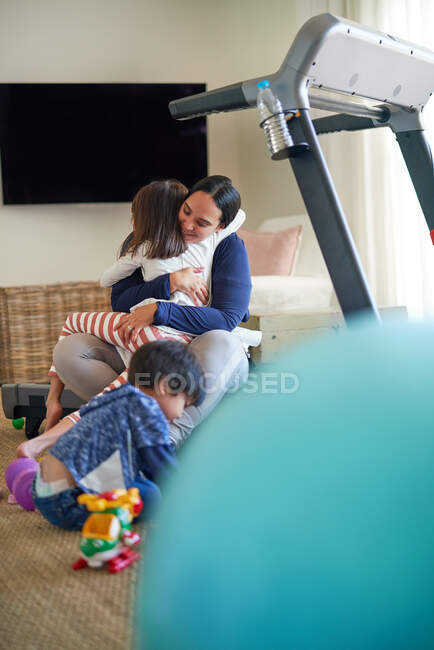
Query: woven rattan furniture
[[31, 318]]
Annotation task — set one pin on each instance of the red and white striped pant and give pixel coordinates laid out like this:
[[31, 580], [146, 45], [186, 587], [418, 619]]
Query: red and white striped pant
[[101, 324]]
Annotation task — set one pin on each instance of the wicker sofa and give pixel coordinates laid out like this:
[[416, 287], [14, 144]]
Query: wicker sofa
[[31, 318]]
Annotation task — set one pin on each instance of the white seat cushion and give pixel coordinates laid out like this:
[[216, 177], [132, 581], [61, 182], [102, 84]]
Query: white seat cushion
[[277, 294]]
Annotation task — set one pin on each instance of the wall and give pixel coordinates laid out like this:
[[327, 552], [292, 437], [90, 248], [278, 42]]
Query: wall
[[140, 41]]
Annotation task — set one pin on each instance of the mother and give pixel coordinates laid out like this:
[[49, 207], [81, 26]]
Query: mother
[[87, 364]]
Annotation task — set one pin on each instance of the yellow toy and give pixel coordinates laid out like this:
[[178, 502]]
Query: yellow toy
[[106, 535]]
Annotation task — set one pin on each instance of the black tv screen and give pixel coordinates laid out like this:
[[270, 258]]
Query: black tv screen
[[81, 143]]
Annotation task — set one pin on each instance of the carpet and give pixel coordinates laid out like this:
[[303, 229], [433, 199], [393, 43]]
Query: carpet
[[44, 603]]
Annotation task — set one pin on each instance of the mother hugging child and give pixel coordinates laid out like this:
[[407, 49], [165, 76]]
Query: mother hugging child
[[185, 276]]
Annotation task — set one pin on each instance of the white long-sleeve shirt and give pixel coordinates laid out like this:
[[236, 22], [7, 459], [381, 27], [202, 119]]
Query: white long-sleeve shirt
[[196, 255]]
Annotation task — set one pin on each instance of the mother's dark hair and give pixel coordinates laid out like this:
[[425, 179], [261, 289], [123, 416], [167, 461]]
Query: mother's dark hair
[[225, 195]]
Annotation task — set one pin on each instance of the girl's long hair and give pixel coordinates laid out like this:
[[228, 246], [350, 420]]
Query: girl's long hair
[[155, 210]]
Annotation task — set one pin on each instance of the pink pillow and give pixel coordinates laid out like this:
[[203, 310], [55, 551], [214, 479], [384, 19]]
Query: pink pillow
[[271, 253]]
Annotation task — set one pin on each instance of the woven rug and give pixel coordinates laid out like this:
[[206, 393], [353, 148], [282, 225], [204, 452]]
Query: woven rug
[[44, 603]]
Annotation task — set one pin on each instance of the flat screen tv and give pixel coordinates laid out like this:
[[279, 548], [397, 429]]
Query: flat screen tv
[[81, 143]]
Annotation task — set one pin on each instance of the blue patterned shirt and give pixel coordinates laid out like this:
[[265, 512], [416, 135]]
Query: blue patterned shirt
[[120, 433]]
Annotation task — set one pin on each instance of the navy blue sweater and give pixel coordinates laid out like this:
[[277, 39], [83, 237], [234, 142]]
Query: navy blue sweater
[[230, 283]]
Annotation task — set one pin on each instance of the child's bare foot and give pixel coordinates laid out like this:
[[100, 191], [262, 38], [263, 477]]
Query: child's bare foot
[[54, 412], [33, 448], [29, 449]]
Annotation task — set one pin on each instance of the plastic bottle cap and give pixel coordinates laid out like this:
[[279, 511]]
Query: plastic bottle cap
[[263, 84]]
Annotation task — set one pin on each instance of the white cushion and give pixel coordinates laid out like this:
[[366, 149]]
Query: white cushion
[[277, 294], [309, 261]]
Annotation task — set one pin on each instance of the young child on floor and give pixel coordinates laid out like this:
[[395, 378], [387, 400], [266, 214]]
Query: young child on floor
[[122, 438]]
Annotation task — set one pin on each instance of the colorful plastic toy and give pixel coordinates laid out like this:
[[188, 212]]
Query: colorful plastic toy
[[18, 423], [19, 477], [106, 536]]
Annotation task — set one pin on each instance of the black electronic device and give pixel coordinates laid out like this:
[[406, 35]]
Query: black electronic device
[[95, 142]]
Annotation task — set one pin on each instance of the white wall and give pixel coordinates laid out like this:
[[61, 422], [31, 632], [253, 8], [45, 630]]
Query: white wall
[[140, 41]]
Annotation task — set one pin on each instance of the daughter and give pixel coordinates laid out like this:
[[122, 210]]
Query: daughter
[[157, 246]]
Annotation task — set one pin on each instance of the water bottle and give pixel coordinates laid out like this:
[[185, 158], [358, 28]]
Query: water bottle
[[279, 140]]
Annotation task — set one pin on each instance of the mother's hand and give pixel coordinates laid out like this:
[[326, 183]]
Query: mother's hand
[[189, 281], [130, 325]]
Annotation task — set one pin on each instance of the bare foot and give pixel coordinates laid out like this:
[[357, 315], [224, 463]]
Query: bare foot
[[34, 447], [54, 412], [28, 449]]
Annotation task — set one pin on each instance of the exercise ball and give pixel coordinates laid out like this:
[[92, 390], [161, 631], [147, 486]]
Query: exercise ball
[[302, 514]]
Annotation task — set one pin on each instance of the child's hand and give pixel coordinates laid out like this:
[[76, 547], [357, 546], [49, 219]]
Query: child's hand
[[189, 281], [130, 325]]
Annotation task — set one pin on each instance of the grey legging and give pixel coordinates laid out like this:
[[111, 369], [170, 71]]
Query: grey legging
[[87, 365]]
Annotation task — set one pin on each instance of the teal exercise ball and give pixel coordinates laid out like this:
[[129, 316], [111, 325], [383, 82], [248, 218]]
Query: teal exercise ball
[[302, 513]]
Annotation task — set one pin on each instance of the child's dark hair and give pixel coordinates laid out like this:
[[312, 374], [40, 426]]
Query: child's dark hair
[[225, 195], [155, 210], [171, 361]]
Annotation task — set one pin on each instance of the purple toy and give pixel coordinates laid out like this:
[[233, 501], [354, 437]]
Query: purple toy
[[19, 478]]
